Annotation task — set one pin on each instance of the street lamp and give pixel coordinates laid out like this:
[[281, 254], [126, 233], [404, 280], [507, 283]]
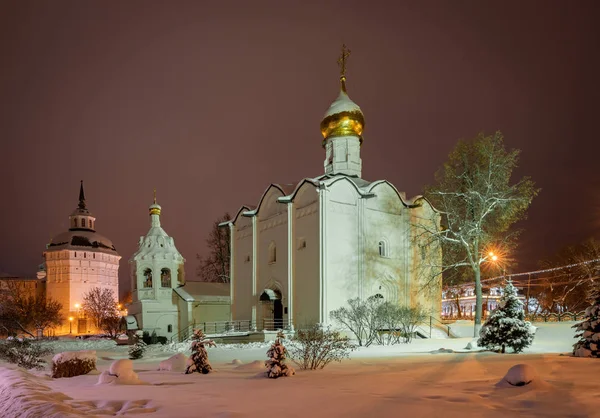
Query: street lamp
[[70, 325]]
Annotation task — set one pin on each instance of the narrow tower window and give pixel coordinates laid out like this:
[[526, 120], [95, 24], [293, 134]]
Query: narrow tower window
[[83, 222], [147, 278], [383, 249], [165, 278], [272, 253]]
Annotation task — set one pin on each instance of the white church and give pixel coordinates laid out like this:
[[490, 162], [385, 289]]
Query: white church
[[163, 303], [306, 248]]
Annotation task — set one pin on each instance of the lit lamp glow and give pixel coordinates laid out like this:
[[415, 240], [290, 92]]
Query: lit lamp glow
[[70, 325]]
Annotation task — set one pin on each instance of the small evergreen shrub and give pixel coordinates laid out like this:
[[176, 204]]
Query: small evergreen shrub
[[73, 363], [276, 365], [198, 361], [24, 353], [137, 350]]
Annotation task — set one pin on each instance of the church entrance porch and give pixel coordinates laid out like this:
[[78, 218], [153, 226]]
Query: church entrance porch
[[271, 310]]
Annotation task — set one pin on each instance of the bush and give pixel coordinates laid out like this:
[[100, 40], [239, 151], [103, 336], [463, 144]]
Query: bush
[[73, 363], [24, 353], [137, 350], [374, 320], [315, 347], [361, 318], [399, 322]]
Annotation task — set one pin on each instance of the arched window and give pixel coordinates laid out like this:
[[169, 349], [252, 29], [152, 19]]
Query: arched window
[[147, 278], [272, 253], [165, 278], [169, 328], [83, 222], [383, 249]]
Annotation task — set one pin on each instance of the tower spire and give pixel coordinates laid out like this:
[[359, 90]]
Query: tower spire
[[155, 195], [342, 63], [81, 196]]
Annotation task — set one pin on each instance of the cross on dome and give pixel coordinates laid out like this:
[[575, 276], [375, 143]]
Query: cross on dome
[[342, 64]]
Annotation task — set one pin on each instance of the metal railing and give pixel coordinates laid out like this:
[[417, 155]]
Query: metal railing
[[275, 324], [211, 328], [556, 317], [436, 323]]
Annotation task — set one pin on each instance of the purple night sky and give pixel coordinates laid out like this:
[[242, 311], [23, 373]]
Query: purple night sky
[[209, 102]]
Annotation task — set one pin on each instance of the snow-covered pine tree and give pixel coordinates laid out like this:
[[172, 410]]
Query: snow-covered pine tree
[[198, 361], [506, 325], [137, 350], [588, 331], [276, 365]]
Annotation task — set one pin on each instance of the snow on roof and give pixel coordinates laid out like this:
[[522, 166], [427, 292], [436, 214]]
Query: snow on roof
[[196, 291], [82, 238], [342, 104]]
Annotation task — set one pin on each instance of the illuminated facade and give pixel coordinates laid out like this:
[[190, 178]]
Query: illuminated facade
[[308, 247], [162, 302], [77, 261]]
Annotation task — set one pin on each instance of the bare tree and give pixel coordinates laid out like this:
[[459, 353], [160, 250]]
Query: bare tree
[[215, 266], [569, 288], [479, 205], [361, 318], [29, 312], [100, 304]]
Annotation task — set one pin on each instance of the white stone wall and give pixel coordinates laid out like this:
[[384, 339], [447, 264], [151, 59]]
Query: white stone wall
[[243, 259], [342, 245], [306, 276], [71, 274], [271, 235]]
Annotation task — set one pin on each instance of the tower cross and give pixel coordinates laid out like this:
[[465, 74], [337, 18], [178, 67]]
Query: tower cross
[[342, 64]]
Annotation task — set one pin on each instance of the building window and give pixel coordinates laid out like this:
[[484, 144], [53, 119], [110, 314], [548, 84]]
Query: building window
[[83, 222], [91, 225], [272, 253], [84, 255], [301, 243], [247, 259], [75, 223], [147, 278], [383, 249], [169, 328], [165, 278], [75, 253]]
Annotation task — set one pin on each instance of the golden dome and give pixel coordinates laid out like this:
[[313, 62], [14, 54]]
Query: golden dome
[[344, 117], [154, 207]]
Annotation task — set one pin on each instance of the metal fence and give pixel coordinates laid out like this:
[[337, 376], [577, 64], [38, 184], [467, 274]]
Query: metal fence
[[275, 324], [556, 317], [211, 328]]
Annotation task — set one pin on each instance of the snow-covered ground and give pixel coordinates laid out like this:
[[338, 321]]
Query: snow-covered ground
[[414, 379]]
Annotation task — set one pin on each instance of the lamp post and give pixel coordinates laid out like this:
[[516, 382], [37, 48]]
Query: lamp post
[[70, 325]]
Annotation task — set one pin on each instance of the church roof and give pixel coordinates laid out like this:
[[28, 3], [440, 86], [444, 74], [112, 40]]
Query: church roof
[[82, 239], [197, 291], [157, 244]]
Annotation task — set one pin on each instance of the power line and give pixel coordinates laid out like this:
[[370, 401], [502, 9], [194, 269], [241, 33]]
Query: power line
[[510, 276]]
